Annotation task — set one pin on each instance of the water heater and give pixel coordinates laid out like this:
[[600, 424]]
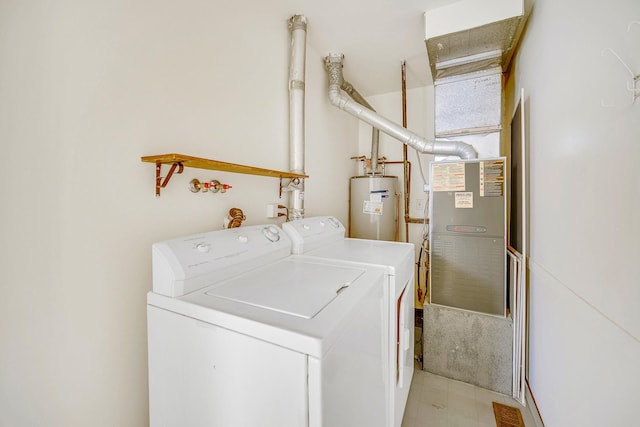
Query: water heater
[[468, 235], [373, 206]]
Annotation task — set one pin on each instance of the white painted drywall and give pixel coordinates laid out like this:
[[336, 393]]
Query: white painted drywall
[[86, 88], [584, 174]]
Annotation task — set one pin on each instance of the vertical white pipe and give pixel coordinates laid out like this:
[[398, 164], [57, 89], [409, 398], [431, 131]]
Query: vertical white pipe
[[298, 29]]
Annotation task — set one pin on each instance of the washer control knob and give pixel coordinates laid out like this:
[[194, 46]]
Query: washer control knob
[[272, 233], [322, 224], [306, 226], [334, 222], [203, 247], [243, 239]]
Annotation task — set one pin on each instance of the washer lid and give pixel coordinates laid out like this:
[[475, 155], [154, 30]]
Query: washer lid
[[290, 287]]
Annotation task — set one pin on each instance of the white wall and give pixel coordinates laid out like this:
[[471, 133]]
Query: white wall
[[86, 88], [584, 175]]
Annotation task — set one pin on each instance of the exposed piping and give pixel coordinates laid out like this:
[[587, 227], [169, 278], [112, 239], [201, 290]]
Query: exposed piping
[[375, 132], [405, 169], [333, 64], [385, 162], [298, 29]]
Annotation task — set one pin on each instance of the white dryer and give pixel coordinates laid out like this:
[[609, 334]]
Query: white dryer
[[241, 333], [323, 238]]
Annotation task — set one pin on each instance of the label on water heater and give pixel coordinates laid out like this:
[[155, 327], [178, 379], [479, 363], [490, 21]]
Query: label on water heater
[[372, 208]]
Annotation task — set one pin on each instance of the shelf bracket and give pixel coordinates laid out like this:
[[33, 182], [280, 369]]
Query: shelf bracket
[[160, 183]]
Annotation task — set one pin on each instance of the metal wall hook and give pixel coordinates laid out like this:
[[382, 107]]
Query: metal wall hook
[[632, 86], [624, 64], [631, 25]]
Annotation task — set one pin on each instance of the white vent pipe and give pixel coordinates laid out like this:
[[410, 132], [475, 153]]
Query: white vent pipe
[[333, 64], [298, 29]]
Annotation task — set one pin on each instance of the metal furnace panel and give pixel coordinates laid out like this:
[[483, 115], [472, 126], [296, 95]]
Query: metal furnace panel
[[468, 235]]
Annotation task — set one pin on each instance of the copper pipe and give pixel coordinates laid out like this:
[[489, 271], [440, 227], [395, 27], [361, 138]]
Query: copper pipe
[[407, 174], [407, 180], [407, 164], [236, 217], [396, 236], [410, 220], [407, 218]]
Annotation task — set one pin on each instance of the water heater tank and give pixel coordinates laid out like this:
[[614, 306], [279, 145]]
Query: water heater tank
[[373, 206]]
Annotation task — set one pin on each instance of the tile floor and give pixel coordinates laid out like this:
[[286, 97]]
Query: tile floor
[[435, 401]]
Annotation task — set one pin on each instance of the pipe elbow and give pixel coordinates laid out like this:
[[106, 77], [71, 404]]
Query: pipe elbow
[[335, 97], [466, 151]]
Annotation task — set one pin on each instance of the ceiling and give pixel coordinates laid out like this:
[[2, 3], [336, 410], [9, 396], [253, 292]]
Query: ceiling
[[375, 36]]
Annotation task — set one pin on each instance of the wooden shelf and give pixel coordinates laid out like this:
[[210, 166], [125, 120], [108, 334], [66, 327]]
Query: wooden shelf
[[200, 163], [180, 161]]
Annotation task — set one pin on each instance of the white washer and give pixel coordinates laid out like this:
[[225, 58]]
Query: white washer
[[323, 238], [241, 333]]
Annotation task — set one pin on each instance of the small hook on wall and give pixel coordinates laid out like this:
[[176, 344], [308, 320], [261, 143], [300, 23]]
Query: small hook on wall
[[632, 86]]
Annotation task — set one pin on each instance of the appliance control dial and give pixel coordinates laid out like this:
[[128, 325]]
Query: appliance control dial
[[203, 247], [271, 233], [243, 239], [334, 222], [306, 226]]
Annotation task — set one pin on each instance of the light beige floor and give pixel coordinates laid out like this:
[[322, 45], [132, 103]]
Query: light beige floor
[[435, 401]]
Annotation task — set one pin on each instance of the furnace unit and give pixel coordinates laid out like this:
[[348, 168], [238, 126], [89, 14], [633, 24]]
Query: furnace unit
[[468, 235]]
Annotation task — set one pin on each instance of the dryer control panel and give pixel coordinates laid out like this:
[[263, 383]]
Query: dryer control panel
[[314, 232]]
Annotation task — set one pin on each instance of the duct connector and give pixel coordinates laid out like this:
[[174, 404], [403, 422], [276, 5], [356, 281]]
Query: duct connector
[[298, 29], [333, 65]]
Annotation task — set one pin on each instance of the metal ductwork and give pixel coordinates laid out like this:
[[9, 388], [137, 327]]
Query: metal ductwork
[[298, 29], [333, 64], [470, 45], [471, 35]]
